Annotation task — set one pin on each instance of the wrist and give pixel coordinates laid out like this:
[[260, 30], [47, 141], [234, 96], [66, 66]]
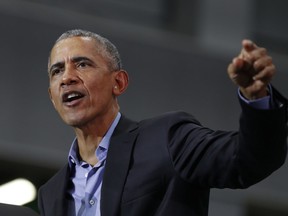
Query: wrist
[[249, 95]]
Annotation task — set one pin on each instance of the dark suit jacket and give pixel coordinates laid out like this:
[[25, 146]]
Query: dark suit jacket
[[13, 210], [165, 166]]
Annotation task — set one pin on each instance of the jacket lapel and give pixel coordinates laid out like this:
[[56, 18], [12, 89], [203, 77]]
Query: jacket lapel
[[63, 204], [117, 164]]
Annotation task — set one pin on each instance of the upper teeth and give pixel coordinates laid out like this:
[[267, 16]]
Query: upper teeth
[[72, 95]]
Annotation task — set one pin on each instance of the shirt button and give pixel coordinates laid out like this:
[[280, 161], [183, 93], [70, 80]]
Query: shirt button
[[86, 174], [92, 202]]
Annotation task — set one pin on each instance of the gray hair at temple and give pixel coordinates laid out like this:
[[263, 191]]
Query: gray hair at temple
[[107, 49]]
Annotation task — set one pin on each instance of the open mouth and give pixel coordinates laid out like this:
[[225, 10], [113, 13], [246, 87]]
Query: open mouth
[[71, 96]]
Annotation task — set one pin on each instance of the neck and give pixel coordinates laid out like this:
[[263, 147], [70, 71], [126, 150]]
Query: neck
[[90, 136]]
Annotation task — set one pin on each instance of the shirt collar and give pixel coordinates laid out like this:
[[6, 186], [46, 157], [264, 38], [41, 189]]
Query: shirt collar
[[73, 156]]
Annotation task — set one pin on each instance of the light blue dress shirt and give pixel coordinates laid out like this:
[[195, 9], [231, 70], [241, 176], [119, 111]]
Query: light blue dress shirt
[[87, 180]]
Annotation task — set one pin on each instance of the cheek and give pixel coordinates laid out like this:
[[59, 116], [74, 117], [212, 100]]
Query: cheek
[[98, 87], [53, 97], [103, 89], [100, 95], [54, 102]]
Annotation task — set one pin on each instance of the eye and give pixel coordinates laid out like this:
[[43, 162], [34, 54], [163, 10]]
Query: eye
[[82, 64], [56, 68], [55, 71]]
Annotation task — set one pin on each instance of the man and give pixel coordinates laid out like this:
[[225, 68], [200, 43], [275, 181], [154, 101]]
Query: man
[[162, 166]]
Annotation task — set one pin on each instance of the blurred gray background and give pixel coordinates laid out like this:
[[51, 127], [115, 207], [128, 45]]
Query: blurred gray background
[[176, 52]]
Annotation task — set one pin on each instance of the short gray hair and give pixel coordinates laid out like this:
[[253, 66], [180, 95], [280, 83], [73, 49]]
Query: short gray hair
[[108, 49]]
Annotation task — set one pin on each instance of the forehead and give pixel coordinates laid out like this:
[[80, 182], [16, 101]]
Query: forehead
[[75, 46]]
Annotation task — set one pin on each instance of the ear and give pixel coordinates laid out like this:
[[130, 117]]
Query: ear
[[121, 79], [50, 96]]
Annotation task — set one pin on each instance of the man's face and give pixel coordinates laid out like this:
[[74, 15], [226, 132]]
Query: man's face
[[81, 84]]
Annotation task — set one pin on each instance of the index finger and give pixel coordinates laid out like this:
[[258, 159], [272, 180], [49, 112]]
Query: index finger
[[248, 45]]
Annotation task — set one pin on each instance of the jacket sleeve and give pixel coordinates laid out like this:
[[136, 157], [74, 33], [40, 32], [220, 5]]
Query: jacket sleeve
[[230, 159]]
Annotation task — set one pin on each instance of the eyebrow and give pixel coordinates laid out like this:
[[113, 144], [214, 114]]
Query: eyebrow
[[74, 60], [81, 58]]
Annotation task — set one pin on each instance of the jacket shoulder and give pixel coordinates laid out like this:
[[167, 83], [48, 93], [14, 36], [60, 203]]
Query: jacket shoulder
[[170, 118]]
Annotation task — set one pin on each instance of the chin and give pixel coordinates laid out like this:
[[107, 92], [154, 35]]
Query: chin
[[73, 122]]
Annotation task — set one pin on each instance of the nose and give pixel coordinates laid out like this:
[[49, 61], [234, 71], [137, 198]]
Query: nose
[[69, 77]]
